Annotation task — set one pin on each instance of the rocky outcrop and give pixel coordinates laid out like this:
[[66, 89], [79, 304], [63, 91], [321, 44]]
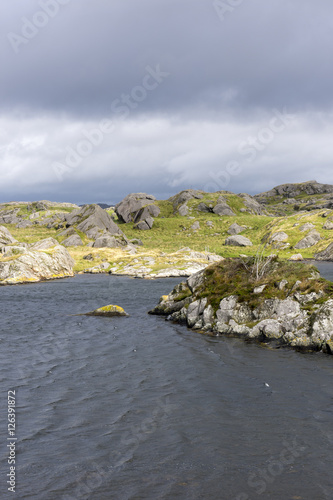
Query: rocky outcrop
[[297, 319], [94, 221], [182, 263], [182, 197], [44, 244], [6, 237], [235, 229], [238, 241], [310, 240], [278, 237], [73, 241], [106, 241], [34, 265], [108, 311], [326, 254], [222, 207], [183, 210], [307, 227], [252, 205], [296, 257], [145, 224], [292, 190], [136, 207]]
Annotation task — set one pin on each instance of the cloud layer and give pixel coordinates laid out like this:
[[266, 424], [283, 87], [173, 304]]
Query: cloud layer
[[100, 99]]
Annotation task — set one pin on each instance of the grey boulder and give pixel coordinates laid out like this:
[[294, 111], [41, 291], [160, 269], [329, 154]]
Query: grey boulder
[[238, 241], [128, 210], [106, 241], [310, 240], [326, 254], [235, 229], [6, 237], [73, 241], [92, 220]]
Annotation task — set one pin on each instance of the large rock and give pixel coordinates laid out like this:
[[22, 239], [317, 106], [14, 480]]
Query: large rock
[[93, 220], [143, 219], [6, 237], [10, 216], [292, 190], [72, 241], [253, 206], [129, 209], [44, 244], [235, 229], [326, 254], [202, 207], [307, 227], [328, 225], [106, 241], [310, 240], [108, 311], [222, 207], [278, 237], [238, 241], [145, 225], [183, 210], [184, 196], [35, 266]]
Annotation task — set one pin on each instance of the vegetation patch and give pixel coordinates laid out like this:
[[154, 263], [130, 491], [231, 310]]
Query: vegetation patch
[[232, 277]]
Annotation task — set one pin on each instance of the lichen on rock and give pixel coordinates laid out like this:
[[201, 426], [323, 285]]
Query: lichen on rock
[[108, 311], [294, 308]]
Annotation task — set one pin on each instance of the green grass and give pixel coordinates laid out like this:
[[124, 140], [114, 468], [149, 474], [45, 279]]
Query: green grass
[[230, 277]]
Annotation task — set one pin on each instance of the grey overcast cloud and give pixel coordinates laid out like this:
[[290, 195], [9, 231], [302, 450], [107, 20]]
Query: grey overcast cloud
[[102, 98]]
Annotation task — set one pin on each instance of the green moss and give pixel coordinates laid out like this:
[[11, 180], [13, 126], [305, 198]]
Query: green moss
[[230, 277]]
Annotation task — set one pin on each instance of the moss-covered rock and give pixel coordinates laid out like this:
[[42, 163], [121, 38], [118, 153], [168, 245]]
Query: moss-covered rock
[[110, 310], [270, 300]]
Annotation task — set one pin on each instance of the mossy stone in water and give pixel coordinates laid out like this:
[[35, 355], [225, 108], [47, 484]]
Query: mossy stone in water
[[110, 310]]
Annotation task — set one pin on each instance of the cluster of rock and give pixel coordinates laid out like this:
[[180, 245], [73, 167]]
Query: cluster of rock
[[138, 208], [286, 194], [297, 320], [96, 224], [182, 263], [279, 240], [23, 263], [34, 213]]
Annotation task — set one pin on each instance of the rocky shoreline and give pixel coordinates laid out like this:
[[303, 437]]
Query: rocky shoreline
[[295, 313]]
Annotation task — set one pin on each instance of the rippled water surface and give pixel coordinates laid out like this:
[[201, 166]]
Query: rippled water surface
[[138, 408]]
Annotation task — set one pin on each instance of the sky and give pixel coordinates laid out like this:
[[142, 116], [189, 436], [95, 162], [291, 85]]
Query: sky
[[103, 98]]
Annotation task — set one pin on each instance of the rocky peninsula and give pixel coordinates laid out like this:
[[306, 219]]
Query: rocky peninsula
[[263, 299]]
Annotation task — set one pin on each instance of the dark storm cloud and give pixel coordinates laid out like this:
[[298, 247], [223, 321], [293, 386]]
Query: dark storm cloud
[[101, 98], [262, 54]]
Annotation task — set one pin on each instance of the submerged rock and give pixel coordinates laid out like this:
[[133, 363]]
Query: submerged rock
[[108, 311]]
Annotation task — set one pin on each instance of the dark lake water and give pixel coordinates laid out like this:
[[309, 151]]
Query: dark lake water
[[140, 409]]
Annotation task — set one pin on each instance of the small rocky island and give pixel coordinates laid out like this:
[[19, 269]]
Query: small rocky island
[[275, 302]]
